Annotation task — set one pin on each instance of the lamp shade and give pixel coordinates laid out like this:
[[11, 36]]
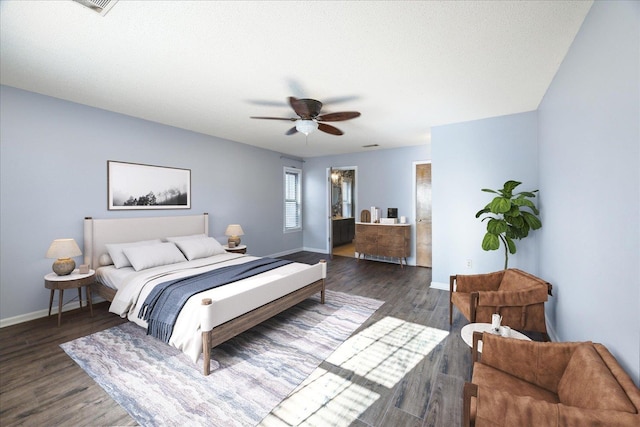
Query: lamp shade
[[62, 250], [234, 230]]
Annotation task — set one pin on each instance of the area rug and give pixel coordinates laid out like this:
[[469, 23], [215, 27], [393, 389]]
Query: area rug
[[160, 386]]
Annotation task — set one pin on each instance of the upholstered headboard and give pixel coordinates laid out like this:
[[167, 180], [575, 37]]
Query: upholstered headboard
[[99, 232]]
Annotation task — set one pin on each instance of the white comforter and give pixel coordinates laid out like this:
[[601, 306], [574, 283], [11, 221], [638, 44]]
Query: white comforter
[[229, 301]]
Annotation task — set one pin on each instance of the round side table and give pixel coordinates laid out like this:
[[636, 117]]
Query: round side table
[[240, 249], [71, 281], [467, 333]]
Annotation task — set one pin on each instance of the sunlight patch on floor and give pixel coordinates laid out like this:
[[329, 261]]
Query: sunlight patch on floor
[[383, 353], [322, 399], [387, 350]]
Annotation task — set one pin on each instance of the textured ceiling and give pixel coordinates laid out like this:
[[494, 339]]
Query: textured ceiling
[[208, 66]]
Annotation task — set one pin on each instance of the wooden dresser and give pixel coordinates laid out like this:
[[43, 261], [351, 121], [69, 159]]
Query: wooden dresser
[[384, 240]]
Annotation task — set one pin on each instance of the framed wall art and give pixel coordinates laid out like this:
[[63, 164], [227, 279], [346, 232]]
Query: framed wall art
[[134, 186]]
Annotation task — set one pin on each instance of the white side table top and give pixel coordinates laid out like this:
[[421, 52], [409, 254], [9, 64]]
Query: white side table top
[[75, 275], [237, 248], [468, 330]]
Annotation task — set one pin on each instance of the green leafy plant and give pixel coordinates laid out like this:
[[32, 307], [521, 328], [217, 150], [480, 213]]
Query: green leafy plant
[[513, 216]]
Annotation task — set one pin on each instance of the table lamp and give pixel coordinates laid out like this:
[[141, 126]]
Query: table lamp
[[62, 250], [234, 231]]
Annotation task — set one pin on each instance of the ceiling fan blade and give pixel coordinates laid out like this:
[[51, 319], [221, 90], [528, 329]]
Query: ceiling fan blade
[[329, 129], [340, 99], [305, 108], [275, 118], [291, 131], [337, 117]]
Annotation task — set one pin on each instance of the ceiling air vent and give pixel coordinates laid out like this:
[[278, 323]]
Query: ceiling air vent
[[99, 6]]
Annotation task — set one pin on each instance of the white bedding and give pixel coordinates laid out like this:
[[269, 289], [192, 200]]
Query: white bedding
[[229, 301]]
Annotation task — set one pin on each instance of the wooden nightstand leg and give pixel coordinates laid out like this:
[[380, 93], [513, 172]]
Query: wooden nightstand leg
[[60, 295], [88, 290], [80, 297], [51, 300]]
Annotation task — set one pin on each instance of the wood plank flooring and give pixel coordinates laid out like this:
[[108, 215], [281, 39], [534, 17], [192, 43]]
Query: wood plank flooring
[[41, 385]]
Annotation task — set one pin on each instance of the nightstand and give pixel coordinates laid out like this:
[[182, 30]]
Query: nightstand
[[71, 281], [240, 249]]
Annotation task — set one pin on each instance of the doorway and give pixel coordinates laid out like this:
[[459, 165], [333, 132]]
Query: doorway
[[342, 210], [423, 214]]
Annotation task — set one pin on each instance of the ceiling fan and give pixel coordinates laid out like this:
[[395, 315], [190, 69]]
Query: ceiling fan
[[310, 119]]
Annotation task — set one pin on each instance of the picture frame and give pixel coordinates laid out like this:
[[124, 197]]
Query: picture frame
[[136, 186]]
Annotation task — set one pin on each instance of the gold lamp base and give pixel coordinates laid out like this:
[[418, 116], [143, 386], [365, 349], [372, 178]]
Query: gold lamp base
[[63, 266], [233, 239]]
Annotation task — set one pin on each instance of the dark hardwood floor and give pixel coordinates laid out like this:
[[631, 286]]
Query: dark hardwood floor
[[41, 385]]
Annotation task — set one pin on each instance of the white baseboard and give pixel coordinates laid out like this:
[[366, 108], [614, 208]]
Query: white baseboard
[[72, 305], [553, 335], [316, 250], [283, 253], [440, 285]]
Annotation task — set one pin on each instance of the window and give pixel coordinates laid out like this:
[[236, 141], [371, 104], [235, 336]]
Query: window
[[292, 199]]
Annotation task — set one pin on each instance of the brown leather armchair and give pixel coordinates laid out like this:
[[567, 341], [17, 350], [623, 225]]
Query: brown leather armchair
[[517, 296], [529, 383]]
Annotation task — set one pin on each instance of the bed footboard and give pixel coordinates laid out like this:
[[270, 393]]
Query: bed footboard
[[230, 329]]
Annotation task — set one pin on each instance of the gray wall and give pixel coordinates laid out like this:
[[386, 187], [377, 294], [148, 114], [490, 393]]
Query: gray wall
[[590, 184], [468, 157], [54, 173], [385, 179], [582, 149]]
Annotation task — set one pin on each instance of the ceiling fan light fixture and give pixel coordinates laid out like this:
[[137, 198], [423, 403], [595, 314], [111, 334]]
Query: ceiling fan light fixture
[[306, 126]]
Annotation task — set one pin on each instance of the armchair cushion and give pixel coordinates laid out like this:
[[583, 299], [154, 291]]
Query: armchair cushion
[[515, 280], [522, 383], [587, 382], [479, 282], [518, 296], [539, 363], [495, 379]]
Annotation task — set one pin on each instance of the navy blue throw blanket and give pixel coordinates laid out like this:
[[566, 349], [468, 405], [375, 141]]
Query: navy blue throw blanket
[[164, 302]]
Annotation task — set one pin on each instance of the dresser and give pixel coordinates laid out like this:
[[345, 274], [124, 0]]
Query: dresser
[[383, 240]]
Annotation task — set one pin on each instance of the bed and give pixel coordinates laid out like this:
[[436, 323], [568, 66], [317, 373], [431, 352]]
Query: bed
[[125, 253]]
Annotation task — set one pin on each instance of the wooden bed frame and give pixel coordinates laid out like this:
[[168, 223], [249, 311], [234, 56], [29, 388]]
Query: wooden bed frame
[[98, 232]]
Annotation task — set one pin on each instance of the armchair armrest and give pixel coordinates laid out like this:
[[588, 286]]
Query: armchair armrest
[[499, 408], [572, 416], [469, 390]]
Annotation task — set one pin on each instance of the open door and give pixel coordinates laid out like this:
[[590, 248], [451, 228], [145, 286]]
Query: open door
[[423, 215], [341, 186]]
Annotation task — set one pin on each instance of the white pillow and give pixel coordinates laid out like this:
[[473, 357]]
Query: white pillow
[[200, 248], [117, 255], [143, 257], [189, 237]]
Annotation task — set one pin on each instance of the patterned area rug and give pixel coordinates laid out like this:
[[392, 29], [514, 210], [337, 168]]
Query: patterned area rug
[[160, 386]]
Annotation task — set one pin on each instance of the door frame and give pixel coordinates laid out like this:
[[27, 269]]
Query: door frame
[[415, 204], [328, 215]]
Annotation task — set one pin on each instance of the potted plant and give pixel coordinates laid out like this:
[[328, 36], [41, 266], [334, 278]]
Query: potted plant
[[513, 215]]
